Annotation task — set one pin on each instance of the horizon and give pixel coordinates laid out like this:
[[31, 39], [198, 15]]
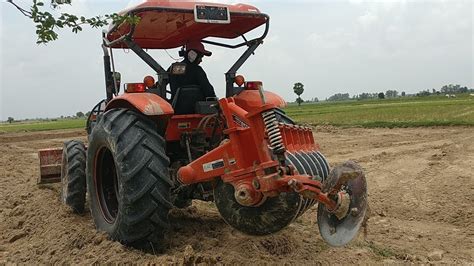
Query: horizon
[[331, 47]]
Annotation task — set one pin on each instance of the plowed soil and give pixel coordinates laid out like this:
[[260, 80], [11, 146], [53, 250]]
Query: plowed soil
[[421, 194]]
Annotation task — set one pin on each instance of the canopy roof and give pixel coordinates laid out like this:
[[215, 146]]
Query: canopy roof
[[167, 24]]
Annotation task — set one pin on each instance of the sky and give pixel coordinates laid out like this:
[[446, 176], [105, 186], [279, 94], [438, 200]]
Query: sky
[[331, 46]]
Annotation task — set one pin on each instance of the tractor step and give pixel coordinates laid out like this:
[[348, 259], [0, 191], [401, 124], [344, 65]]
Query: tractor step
[[50, 165]]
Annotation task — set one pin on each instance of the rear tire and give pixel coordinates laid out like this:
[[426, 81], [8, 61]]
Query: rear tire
[[73, 175], [128, 179]]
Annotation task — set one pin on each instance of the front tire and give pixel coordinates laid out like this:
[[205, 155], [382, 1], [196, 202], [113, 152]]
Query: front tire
[[73, 175], [128, 179]]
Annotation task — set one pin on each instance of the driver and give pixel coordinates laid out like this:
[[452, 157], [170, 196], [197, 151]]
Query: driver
[[194, 74]]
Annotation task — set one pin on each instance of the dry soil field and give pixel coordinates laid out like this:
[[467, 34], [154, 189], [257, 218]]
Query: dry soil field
[[421, 194]]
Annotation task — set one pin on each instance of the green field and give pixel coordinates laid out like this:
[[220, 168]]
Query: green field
[[401, 112], [42, 125]]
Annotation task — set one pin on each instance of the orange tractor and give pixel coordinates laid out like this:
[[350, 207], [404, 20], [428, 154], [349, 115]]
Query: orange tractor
[[147, 154]]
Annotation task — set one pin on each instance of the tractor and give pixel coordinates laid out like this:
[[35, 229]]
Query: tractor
[[147, 153]]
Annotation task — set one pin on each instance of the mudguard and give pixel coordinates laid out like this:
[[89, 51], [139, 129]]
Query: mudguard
[[148, 104], [250, 100]]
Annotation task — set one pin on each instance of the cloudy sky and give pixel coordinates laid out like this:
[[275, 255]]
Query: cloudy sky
[[330, 46]]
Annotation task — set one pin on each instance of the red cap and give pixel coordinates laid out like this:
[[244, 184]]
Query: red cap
[[197, 46]]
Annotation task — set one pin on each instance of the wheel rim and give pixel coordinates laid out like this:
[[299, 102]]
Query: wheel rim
[[106, 184]]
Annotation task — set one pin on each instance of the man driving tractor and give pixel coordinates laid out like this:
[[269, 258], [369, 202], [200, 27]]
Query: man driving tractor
[[192, 74]]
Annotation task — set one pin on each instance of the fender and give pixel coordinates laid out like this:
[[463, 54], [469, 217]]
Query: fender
[[148, 104], [250, 100]]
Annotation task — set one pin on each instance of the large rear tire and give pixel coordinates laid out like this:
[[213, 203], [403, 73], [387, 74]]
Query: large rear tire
[[73, 175], [128, 179]]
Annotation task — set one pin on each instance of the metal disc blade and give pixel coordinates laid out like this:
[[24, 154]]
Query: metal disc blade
[[319, 166], [304, 163], [313, 171], [295, 162], [270, 217], [301, 165], [323, 162], [338, 232]]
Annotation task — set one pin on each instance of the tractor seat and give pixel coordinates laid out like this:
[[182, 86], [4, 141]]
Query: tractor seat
[[191, 100]]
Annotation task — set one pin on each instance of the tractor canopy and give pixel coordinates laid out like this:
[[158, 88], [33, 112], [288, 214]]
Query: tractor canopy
[[171, 24]]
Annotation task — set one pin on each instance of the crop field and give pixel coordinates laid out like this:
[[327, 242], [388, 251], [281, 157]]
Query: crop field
[[42, 125], [401, 112]]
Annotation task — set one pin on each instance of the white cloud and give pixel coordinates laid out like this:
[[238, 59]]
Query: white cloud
[[367, 19], [133, 3], [79, 7]]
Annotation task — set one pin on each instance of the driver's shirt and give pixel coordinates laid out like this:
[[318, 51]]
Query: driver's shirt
[[194, 76]]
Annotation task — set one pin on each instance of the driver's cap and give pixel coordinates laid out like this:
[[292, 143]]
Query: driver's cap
[[197, 46]]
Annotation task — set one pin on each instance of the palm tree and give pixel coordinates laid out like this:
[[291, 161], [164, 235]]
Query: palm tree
[[298, 88]]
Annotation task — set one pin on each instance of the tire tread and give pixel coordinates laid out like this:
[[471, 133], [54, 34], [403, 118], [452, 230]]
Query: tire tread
[[144, 200]]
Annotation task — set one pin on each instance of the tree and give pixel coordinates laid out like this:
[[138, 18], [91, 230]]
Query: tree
[[47, 24], [363, 96], [10, 119], [340, 97], [299, 101], [366, 95], [391, 94], [424, 93], [381, 95], [453, 89], [80, 114], [298, 88], [403, 94]]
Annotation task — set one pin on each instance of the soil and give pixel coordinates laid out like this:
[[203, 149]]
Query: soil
[[421, 194]]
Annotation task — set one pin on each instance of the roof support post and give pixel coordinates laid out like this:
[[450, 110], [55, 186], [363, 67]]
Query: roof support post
[[230, 75], [162, 73]]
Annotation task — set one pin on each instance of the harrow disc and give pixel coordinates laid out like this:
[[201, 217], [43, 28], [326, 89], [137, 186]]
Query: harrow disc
[[270, 217], [274, 213], [311, 164], [340, 231]]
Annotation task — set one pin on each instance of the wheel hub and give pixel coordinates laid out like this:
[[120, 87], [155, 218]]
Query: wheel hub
[[246, 195], [343, 203], [268, 216]]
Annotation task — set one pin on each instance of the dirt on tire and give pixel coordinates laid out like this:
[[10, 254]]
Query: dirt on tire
[[421, 194]]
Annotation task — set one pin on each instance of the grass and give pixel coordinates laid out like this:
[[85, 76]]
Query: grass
[[43, 125], [382, 251], [402, 112]]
